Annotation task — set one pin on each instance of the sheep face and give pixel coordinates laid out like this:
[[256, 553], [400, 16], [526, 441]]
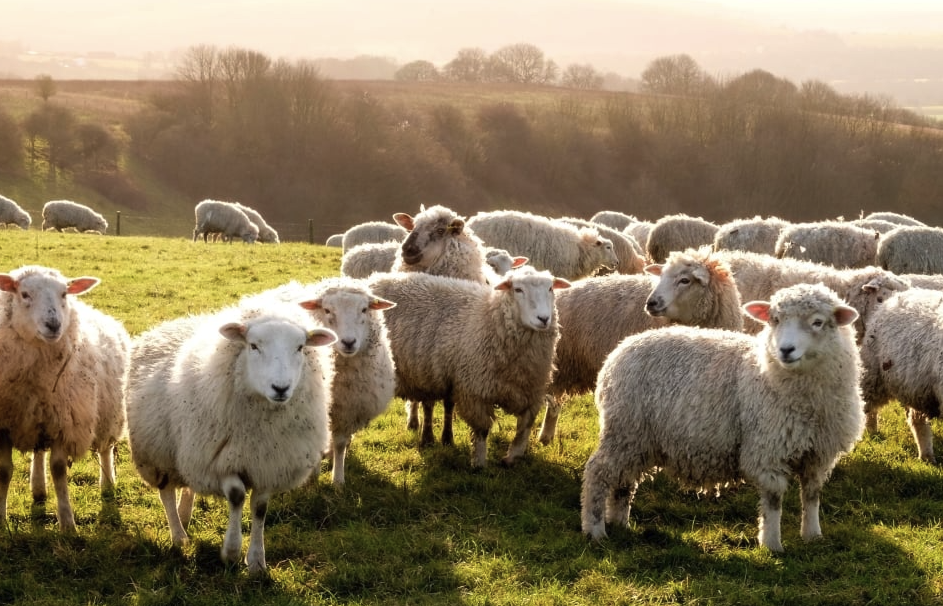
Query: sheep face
[[603, 252], [502, 262], [677, 292], [349, 314], [40, 308], [274, 354], [533, 297], [429, 234]]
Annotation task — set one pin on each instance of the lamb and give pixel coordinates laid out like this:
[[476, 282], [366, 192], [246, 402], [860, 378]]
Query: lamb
[[336, 240], [690, 288], [226, 403], [757, 235], [899, 218], [267, 233], [12, 214], [563, 250], [372, 232], [476, 346], [62, 214], [613, 219], [912, 250], [900, 354], [363, 365], [64, 374], [711, 407], [678, 232], [835, 243], [214, 216], [631, 259]]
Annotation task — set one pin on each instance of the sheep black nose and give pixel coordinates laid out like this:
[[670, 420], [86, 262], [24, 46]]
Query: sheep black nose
[[280, 392], [651, 304], [348, 343], [543, 319], [786, 352], [53, 325]]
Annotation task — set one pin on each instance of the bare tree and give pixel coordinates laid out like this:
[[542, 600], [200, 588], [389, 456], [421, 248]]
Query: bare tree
[[469, 65], [582, 76], [673, 75], [520, 63], [417, 71], [199, 72], [45, 86]]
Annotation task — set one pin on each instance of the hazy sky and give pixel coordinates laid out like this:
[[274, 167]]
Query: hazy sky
[[565, 30]]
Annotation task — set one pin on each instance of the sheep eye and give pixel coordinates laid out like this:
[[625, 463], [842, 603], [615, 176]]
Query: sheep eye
[[519, 291], [441, 231], [364, 310], [25, 296], [253, 347], [880, 299], [684, 281], [818, 323], [300, 347]]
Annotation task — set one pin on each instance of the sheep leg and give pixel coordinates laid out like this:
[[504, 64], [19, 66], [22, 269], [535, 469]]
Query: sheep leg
[[593, 497], [549, 428], [412, 415], [480, 447], [168, 498], [235, 491], [447, 416], [525, 422], [771, 512], [255, 556], [339, 448], [106, 477], [871, 421], [427, 436], [810, 490], [923, 434], [59, 470], [6, 474], [37, 476], [185, 506]]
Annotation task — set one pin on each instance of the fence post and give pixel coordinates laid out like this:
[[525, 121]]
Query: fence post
[[118, 223], [310, 231]]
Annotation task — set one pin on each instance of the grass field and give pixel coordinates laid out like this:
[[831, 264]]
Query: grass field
[[420, 527]]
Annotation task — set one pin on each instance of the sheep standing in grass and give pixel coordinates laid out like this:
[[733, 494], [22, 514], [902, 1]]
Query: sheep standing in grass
[[912, 250], [63, 214], [690, 288], [564, 250], [64, 371], [833, 243], [213, 216], [228, 403], [267, 233], [711, 407], [613, 219], [678, 232], [336, 240], [372, 232], [12, 214], [757, 235], [365, 259], [478, 346]]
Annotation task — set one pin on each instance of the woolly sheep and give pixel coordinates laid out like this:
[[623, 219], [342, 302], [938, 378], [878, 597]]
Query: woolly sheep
[[631, 259], [372, 232], [336, 240], [501, 262], [931, 282], [899, 218], [267, 233], [12, 214], [64, 374], [900, 354], [640, 230], [678, 232], [757, 235], [476, 346], [711, 407], [690, 288], [563, 250], [613, 219], [440, 243], [228, 403], [363, 365], [62, 214], [836, 243], [912, 250], [214, 216], [878, 225], [365, 259]]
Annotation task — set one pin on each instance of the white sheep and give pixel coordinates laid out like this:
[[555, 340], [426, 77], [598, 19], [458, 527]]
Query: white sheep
[[630, 256], [899, 218], [228, 403], [372, 232], [336, 240], [597, 313], [678, 232], [64, 374], [12, 214], [371, 257], [613, 219], [267, 233], [758, 234], [900, 353], [640, 230], [214, 216], [440, 243], [878, 225], [564, 250], [711, 407], [911, 250], [501, 261], [837, 243], [363, 381], [476, 346], [63, 214]]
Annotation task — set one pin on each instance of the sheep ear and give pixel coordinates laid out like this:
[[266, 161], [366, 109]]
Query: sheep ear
[[518, 261], [702, 274], [311, 305], [7, 283], [379, 304], [456, 226], [758, 310], [559, 283], [845, 315], [503, 285], [404, 221], [81, 285], [320, 337], [870, 287], [233, 331], [654, 269]]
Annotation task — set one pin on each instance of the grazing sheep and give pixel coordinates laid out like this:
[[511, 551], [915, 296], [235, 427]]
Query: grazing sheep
[[365, 259], [213, 216], [757, 235], [835, 243], [228, 403], [336, 240], [564, 250], [900, 354], [710, 407], [476, 346], [691, 288], [898, 218], [613, 219], [363, 365], [12, 214], [678, 232], [631, 259], [372, 232], [267, 233], [62, 214], [912, 250], [64, 374]]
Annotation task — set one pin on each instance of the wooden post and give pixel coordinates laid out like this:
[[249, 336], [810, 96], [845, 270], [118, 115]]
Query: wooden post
[[118, 223], [310, 231]]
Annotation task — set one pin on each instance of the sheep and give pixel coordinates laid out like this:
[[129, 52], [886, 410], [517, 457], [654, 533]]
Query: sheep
[[613, 219], [365, 259], [711, 407], [64, 375], [912, 250], [440, 243], [878, 225], [900, 354], [12, 214], [372, 232], [62, 214], [893, 217], [631, 259], [226, 403], [267, 233], [690, 288], [757, 235], [563, 250], [214, 216], [678, 232], [475, 346], [835, 243], [640, 230], [363, 365], [931, 282], [501, 262], [336, 240]]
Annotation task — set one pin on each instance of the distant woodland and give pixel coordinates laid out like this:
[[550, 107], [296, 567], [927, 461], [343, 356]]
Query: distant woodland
[[235, 124]]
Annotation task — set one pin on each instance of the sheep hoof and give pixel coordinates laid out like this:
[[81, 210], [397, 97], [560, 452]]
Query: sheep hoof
[[508, 462]]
